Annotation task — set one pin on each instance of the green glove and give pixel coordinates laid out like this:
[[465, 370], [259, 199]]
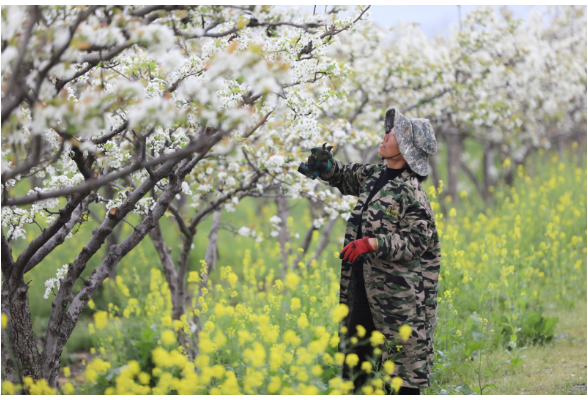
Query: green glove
[[321, 160]]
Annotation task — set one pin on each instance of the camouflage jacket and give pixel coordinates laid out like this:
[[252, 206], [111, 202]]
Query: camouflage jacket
[[401, 275]]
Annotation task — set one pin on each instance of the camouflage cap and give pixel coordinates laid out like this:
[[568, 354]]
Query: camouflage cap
[[416, 139]]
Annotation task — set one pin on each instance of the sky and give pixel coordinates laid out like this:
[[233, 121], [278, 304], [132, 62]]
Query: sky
[[433, 20]]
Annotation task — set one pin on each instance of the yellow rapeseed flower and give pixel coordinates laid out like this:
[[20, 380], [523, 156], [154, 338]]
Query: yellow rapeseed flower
[[101, 319], [303, 321], [4, 320], [294, 303], [8, 387], [233, 278], [366, 366], [95, 367], [389, 366], [274, 385], [351, 360], [360, 331], [367, 390], [396, 383], [168, 337], [292, 280], [377, 338], [405, 332], [290, 337], [193, 277], [316, 370], [340, 312], [67, 388]]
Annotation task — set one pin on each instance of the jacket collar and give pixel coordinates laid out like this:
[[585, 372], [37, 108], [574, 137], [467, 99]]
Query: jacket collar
[[371, 182]]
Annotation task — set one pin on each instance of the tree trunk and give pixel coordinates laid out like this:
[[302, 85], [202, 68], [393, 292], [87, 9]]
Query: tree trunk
[[434, 171], [10, 365], [283, 234], [21, 325], [454, 148], [325, 239], [59, 333], [211, 250], [488, 169], [112, 239]]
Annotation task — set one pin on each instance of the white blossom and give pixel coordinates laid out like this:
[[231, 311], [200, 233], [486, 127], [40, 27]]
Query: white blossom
[[54, 283]]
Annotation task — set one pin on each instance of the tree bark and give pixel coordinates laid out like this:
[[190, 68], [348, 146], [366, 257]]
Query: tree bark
[[488, 165], [9, 362], [211, 250], [283, 234], [435, 171], [60, 236], [454, 148], [115, 254], [472, 176], [112, 239], [61, 321], [305, 245], [22, 330], [325, 239]]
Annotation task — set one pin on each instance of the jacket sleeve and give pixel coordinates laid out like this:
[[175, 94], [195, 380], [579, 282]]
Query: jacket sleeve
[[411, 239], [348, 178]]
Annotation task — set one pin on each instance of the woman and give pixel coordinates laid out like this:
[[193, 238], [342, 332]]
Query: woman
[[391, 257]]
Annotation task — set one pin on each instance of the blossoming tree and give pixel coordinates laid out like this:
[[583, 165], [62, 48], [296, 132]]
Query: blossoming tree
[[109, 111], [134, 98]]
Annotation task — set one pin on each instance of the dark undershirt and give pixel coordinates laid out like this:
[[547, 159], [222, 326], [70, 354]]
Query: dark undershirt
[[388, 175], [361, 310]]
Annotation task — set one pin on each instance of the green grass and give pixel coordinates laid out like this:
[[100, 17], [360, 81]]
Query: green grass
[[555, 368], [135, 271]]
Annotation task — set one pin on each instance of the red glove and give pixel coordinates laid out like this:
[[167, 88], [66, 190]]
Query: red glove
[[355, 248]]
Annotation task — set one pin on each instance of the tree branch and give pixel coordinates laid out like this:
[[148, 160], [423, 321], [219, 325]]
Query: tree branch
[[49, 232], [59, 237], [107, 137], [22, 51], [7, 260], [164, 254], [212, 248], [31, 161], [324, 240], [260, 123], [59, 321], [93, 184], [426, 100], [82, 15], [205, 211], [179, 220], [333, 32], [60, 83], [472, 176]]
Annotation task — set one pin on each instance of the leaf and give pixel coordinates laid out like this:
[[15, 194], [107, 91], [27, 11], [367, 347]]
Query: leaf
[[516, 362], [463, 389], [82, 45], [473, 346], [147, 335], [242, 23]]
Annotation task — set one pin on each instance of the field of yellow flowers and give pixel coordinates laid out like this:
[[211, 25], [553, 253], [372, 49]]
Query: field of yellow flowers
[[263, 333]]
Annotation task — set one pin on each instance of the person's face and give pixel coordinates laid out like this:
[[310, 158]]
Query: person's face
[[389, 146]]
